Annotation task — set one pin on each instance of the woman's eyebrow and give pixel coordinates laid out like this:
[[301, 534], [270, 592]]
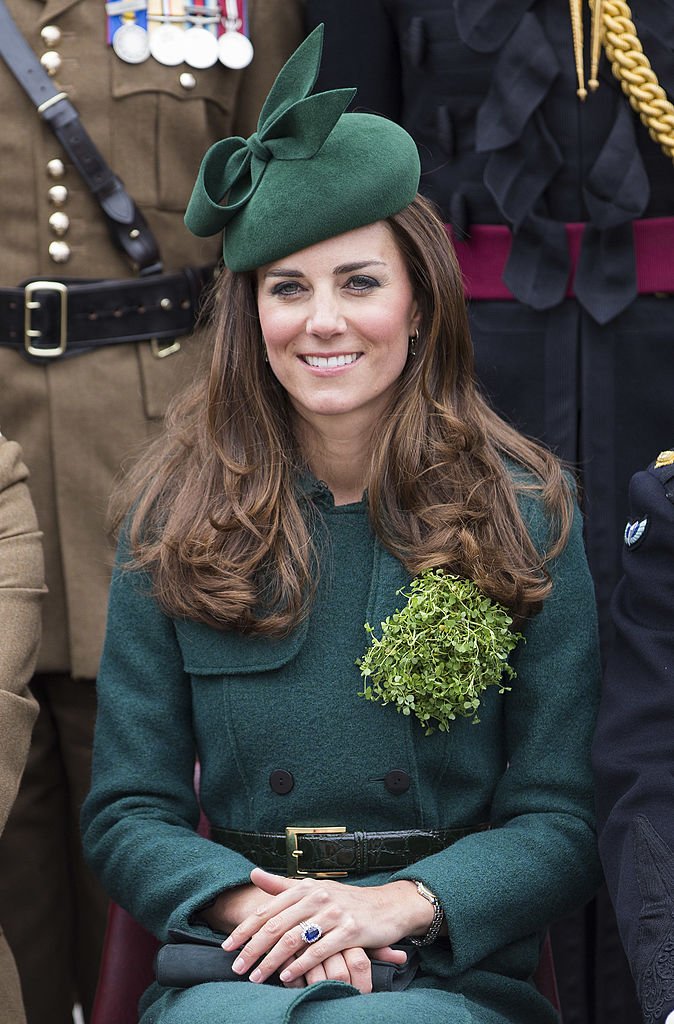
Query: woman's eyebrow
[[282, 272], [343, 268], [348, 268]]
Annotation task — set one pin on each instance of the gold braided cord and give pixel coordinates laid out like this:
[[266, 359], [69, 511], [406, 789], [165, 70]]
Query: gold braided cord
[[595, 49], [633, 70], [576, 12]]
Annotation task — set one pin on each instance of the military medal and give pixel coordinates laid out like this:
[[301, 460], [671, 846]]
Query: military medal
[[167, 38], [166, 45], [201, 48], [126, 30], [200, 42], [130, 42], [235, 49]]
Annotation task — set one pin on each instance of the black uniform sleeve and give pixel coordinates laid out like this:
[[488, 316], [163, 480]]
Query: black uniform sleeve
[[633, 751]]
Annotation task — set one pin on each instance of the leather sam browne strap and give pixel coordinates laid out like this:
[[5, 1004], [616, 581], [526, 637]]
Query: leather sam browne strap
[[329, 852], [127, 225]]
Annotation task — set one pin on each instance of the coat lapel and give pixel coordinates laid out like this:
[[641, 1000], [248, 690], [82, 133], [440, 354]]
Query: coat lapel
[[53, 9]]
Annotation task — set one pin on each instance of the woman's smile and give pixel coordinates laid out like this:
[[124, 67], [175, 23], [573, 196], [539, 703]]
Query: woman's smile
[[331, 362]]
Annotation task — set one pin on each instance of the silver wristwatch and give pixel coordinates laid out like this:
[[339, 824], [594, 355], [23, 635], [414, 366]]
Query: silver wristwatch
[[438, 917]]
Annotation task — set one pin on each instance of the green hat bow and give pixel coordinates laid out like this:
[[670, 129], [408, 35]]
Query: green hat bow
[[310, 171], [292, 126]]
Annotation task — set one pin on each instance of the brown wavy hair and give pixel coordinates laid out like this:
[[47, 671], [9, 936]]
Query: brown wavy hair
[[228, 537]]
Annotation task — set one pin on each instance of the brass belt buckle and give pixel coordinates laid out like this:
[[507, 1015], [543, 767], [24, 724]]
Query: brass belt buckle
[[47, 352], [293, 852], [161, 351]]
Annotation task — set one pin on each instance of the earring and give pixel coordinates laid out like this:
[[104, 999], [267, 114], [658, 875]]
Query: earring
[[413, 342], [264, 350]]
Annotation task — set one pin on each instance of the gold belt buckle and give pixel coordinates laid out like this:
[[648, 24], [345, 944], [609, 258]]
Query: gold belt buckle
[[293, 852]]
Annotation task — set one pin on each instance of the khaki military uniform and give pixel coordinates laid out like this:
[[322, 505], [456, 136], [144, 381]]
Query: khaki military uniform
[[21, 591], [80, 419]]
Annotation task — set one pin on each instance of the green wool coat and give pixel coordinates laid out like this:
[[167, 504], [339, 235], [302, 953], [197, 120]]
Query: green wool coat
[[171, 691]]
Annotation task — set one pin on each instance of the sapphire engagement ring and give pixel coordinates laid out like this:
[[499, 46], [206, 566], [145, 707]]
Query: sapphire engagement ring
[[311, 932]]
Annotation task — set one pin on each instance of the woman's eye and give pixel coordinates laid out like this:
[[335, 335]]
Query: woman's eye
[[362, 283], [285, 288]]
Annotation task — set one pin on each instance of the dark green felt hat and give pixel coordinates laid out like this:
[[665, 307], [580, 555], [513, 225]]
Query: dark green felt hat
[[309, 172]]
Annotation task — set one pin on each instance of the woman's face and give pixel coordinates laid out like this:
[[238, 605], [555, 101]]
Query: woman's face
[[336, 319]]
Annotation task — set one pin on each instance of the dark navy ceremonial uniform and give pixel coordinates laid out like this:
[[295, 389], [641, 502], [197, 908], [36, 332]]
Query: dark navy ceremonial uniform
[[633, 750], [573, 326]]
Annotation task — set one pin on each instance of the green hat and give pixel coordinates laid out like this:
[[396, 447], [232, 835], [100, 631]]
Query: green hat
[[309, 172]]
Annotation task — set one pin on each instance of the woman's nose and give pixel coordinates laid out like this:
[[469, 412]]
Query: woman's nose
[[325, 319]]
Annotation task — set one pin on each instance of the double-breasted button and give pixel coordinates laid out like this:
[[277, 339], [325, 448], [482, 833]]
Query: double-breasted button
[[59, 222], [56, 169], [51, 62], [397, 781], [51, 36], [59, 252], [58, 195], [281, 781]]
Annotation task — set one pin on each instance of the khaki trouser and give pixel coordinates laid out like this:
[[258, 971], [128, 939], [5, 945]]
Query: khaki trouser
[[11, 1006], [51, 907]]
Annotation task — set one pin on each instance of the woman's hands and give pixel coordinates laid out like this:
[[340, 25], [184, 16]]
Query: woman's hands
[[354, 966], [352, 919]]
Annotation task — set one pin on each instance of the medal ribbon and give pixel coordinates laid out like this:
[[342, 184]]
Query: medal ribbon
[[165, 12], [214, 8], [204, 14], [234, 16]]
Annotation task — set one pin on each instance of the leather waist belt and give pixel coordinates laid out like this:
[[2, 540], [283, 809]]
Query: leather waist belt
[[332, 852], [484, 254], [50, 319]]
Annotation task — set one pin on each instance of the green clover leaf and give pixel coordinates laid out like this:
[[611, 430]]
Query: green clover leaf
[[437, 655]]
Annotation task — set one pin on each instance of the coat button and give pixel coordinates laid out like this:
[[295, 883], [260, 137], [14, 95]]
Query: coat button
[[397, 781], [51, 62], [51, 36], [56, 168], [59, 252], [59, 222], [187, 80], [58, 195], [281, 781]]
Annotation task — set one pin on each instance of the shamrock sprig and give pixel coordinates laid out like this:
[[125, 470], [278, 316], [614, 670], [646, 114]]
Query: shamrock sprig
[[438, 654]]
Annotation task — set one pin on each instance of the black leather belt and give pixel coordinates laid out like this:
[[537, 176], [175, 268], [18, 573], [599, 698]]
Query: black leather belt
[[47, 319], [332, 852]]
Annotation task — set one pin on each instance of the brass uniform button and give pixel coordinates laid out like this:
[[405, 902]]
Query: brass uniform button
[[59, 252], [51, 62], [59, 223], [51, 36], [187, 80], [281, 781], [397, 781], [56, 169], [58, 195]]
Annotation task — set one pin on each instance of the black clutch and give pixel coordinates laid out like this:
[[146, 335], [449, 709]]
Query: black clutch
[[189, 960]]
